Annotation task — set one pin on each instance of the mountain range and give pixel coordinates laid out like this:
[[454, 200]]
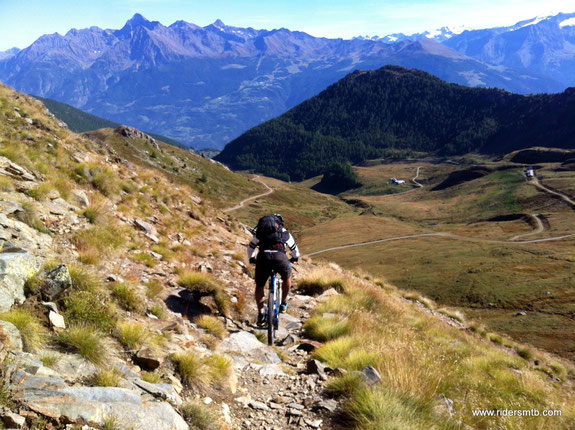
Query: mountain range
[[541, 45], [204, 86], [368, 115]]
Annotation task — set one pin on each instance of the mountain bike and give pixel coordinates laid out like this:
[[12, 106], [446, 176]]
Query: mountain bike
[[273, 310]]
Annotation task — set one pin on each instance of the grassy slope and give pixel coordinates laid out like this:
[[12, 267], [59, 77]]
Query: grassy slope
[[422, 360], [493, 281], [212, 181]]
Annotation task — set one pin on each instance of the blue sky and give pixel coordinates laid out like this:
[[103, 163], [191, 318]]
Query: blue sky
[[23, 21]]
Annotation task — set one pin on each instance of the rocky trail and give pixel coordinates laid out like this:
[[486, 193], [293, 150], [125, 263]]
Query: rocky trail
[[280, 387]]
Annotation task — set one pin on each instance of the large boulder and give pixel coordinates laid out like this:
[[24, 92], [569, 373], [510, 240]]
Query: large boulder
[[56, 281], [51, 397], [16, 266], [245, 348]]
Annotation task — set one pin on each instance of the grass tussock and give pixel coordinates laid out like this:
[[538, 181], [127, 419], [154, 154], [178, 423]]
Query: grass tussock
[[6, 184], [93, 308], [151, 377], [106, 378], [127, 296], [201, 284], [34, 334], [320, 280], [96, 242], [85, 340], [419, 357], [30, 217], [154, 288], [212, 325], [199, 416], [132, 335], [197, 371]]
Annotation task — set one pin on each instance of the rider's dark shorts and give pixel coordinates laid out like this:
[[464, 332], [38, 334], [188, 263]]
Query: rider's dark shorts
[[269, 261]]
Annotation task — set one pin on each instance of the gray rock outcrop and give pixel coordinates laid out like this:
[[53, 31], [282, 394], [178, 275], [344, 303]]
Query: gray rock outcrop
[[16, 266]]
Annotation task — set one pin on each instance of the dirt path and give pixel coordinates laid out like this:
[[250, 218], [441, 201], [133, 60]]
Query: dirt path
[[535, 181], [243, 202], [540, 228]]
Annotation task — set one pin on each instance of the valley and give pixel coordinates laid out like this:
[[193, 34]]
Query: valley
[[492, 244]]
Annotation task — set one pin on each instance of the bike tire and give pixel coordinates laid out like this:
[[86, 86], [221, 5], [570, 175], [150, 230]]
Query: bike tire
[[271, 312]]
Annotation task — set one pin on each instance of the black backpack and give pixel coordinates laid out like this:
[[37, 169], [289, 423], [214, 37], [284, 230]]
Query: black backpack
[[269, 232]]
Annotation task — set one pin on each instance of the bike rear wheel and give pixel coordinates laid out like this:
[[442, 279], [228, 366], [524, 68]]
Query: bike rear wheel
[[271, 312]]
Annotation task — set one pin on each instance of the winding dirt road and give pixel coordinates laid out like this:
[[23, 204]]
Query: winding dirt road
[[243, 202], [540, 228], [535, 181]]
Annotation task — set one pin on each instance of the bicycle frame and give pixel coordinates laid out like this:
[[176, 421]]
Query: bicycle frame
[[273, 311]]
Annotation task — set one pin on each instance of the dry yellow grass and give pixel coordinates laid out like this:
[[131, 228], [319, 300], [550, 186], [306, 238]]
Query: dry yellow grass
[[420, 357]]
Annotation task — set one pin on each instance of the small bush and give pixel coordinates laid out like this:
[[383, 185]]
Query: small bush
[[199, 416], [86, 307], [191, 368], [213, 325], [132, 335], [127, 297], [86, 341], [204, 285], [33, 333], [106, 378]]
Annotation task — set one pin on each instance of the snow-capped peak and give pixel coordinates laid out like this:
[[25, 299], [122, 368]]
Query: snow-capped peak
[[570, 22]]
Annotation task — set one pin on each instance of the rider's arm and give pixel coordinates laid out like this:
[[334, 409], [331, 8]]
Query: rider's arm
[[252, 247], [292, 246]]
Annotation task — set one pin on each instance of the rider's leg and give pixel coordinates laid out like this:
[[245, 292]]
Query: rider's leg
[[285, 289], [260, 298]]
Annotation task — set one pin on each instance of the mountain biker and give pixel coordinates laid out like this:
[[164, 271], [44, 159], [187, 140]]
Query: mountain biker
[[272, 239]]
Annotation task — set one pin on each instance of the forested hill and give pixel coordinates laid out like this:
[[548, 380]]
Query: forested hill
[[369, 114]]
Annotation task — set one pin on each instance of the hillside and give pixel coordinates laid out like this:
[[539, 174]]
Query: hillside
[[80, 121], [204, 86], [125, 302], [395, 110]]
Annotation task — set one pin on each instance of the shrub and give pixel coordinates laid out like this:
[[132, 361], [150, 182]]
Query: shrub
[[86, 341], [199, 416], [212, 325], [33, 333], [127, 297], [86, 307], [132, 335], [200, 284], [106, 378]]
